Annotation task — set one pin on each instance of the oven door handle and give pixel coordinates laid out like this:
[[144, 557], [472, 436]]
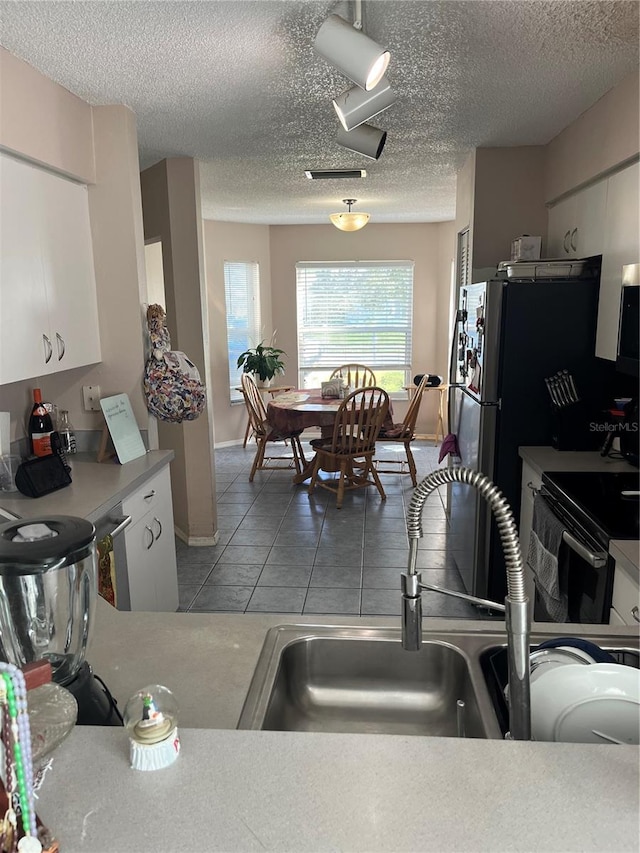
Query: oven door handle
[[595, 560]]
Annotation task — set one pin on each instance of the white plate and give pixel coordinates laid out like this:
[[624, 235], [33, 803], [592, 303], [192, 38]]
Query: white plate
[[586, 704]]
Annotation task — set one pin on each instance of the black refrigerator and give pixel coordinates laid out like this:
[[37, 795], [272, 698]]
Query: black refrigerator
[[509, 336]]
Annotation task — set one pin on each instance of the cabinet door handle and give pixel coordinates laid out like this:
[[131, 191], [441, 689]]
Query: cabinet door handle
[[153, 538], [636, 613], [573, 241], [48, 350], [565, 242], [61, 346], [159, 523], [150, 495], [121, 524]]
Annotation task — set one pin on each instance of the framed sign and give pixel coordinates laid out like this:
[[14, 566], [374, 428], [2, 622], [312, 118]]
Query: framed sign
[[123, 429]]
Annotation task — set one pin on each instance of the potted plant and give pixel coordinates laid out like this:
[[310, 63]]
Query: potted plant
[[263, 361]]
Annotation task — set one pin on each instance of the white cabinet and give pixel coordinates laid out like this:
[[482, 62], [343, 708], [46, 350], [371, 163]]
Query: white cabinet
[[621, 246], [531, 481], [150, 546], [48, 303], [576, 226], [625, 603]]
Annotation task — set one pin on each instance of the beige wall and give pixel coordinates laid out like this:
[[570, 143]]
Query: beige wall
[[603, 137], [508, 201], [42, 121], [230, 241], [430, 246], [465, 193], [171, 204]]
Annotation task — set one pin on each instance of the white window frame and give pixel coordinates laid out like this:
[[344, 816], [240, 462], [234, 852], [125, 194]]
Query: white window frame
[[242, 303], [343, 282]]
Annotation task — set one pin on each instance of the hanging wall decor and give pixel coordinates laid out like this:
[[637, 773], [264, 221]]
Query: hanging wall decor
[[172, 384]]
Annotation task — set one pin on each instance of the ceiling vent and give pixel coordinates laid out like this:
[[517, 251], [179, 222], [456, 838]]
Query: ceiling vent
[[325, 174]]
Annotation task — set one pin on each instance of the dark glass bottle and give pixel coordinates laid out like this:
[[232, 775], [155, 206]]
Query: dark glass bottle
[[40, 427]]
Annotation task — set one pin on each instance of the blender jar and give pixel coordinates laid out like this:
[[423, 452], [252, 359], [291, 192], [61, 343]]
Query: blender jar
[[48, 588]]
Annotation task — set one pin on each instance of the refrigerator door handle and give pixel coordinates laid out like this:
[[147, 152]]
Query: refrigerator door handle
[[489, 403]]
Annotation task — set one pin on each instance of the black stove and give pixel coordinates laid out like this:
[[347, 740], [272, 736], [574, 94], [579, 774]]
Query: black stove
[[596, 501]]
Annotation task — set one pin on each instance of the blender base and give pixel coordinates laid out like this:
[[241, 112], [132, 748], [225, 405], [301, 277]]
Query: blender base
[[96, 706]]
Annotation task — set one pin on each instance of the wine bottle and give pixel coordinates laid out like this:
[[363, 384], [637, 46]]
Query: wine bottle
[[40, 427], [67, 434]]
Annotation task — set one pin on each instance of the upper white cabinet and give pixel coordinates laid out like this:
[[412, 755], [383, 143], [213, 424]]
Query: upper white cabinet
[[576, 227], [621, 246], [48, 305]]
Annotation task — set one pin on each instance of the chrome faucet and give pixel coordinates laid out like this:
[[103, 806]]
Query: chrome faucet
[[516, 602]]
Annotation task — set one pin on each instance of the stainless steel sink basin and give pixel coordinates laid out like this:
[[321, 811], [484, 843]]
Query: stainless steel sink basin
[[320, 678], [361, 680]]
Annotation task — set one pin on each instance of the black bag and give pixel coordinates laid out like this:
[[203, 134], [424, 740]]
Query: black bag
[[42, 475]]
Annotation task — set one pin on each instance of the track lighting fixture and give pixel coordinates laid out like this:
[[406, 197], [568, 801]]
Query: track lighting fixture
[[352, 52], [355, 106], [349, 221], [364, 139]]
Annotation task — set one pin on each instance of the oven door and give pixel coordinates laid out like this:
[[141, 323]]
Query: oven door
[[586, 570]]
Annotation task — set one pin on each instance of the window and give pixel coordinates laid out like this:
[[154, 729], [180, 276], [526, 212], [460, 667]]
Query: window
[[355, 311], [242, 297]]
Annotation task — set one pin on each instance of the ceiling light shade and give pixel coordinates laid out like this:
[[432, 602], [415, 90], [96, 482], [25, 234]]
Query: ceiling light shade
[[355, 106], [349, 221], [364, 139], [352, 52]]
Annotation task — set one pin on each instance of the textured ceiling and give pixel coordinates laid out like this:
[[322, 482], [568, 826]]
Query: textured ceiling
[[235, 83]]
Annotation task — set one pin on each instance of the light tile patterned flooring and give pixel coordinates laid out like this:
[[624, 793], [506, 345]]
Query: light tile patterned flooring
[[282, 550]]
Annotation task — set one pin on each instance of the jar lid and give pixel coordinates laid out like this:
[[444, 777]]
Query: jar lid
[[40, 544]]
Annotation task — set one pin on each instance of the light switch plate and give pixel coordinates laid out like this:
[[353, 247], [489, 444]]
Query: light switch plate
[[91, 398]]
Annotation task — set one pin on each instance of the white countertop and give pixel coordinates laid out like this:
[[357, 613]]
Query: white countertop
[[288, 791], [549, 459], [257, 790], [94, 489]]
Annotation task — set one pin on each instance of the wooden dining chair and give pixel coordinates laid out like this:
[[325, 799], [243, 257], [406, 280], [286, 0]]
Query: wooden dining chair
[[403, 433], [355, 375], [350, 450], [265, 433]]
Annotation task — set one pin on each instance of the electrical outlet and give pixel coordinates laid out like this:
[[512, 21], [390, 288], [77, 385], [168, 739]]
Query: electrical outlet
[[91, 398]]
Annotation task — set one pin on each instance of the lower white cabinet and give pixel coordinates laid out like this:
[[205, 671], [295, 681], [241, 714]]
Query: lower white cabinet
[[625, 603], [150, 546]]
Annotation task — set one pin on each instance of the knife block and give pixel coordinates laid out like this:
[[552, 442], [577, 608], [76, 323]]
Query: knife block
[[575, 428]]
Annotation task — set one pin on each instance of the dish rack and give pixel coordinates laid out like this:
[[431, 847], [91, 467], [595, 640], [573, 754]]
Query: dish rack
[[496, 671], [544, 269]]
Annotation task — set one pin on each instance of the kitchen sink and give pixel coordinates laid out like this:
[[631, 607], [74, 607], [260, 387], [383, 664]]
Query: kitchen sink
[[321, 679]]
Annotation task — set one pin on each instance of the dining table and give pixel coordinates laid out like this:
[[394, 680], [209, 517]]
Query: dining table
[[299, 409]]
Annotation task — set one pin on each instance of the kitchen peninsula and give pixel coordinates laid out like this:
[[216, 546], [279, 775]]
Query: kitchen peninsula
[[256, 790]]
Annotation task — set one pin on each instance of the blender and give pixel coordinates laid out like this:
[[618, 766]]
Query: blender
[[48, 592]]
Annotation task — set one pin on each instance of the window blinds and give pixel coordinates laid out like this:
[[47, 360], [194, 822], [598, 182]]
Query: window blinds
[[241, 292], [355, 312]]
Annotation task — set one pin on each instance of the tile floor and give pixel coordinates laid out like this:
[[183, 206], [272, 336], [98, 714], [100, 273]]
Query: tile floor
[[282, 550]]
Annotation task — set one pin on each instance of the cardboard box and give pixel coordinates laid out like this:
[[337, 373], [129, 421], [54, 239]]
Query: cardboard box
[[526, 248]]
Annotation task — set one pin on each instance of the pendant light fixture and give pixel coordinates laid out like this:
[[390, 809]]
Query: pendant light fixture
[[348, 49], [364, 139], [349, 221], [355, 106]]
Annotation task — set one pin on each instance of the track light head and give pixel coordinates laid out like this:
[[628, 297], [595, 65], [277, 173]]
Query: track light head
[[352, 52], [356, 106], [364, 139]]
